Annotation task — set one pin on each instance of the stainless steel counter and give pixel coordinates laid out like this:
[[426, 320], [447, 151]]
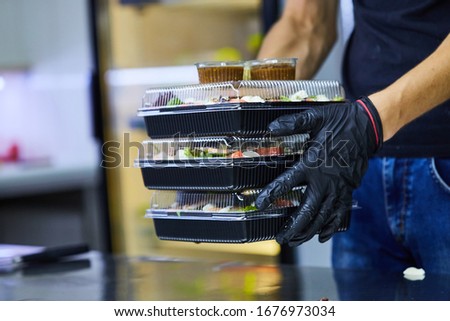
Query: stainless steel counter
[[101, 277]]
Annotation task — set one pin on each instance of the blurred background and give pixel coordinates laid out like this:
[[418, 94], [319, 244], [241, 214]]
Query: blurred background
[[72, 75]]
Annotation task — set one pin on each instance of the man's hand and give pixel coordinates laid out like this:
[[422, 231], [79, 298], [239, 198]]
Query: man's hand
[[343, 137]]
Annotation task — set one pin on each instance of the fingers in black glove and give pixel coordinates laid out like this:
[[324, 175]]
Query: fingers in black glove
[[300, 220], [295, 123], [282, 185], [331, 167], [317, 221], [342, 210]]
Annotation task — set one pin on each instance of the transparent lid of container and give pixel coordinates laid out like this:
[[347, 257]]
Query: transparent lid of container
[[255, 92], [206, 64], [271, 61], [184, 203], [186, 148]]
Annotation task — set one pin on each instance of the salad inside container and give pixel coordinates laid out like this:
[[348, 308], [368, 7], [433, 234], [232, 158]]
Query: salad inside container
[[242, 92], [186, 203], [189, 148]]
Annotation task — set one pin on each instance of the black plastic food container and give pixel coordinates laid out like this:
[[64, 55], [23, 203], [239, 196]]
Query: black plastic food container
[[219, 231], [203, 190], [230, 108], [217, 163], [231, 175], [218, 217], [221, 217], [245, 230], [232, 119]]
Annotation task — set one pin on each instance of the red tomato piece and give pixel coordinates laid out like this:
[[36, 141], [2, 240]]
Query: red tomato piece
[[270, 151], [237, 154]]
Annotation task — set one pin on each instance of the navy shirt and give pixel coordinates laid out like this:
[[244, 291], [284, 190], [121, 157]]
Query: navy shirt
[[390, 38]]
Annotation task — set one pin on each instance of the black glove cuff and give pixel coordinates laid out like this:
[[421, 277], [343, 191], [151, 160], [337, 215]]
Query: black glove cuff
[[375, 120]]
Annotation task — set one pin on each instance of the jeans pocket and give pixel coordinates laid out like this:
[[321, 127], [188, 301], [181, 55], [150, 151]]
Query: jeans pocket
[[440, 170]]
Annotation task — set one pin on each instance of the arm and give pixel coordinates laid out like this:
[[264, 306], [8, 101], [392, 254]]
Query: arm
[[306, 30], [418, 91], [359, 126]]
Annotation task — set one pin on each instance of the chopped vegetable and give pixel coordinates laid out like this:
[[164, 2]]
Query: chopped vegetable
[[209, 208], [204, 152], [237, 154], [270, 151], [253, 99], [299, 95], [250, 208], [225, 209], [188, 153], [338, 98], [322, 98], [174, 101], [250, 153]]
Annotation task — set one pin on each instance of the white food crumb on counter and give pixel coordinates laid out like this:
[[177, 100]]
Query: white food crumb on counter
[[414, 274]]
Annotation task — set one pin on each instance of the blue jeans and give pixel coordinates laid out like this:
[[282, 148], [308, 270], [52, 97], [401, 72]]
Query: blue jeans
[[404, 218]]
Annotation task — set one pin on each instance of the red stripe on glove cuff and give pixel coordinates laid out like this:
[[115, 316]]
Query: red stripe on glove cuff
[[371, 120]]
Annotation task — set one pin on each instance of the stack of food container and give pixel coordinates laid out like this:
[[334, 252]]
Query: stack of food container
[[209, 153]]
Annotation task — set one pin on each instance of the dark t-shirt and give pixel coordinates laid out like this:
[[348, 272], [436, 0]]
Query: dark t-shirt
[[390, 38]]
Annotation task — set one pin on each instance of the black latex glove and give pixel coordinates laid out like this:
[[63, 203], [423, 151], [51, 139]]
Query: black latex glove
[[342, 138]]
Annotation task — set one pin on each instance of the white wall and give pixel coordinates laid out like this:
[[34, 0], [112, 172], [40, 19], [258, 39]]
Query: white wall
[[45, 65]]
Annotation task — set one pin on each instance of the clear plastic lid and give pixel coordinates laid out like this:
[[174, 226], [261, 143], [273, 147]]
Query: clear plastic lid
[[271, 61], [222, 147], [246, 91], [178, 204], [184, 203]]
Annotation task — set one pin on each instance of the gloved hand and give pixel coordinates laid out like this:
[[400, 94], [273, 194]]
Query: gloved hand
[[342, 138]]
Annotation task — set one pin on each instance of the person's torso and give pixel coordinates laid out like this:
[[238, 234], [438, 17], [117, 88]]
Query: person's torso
[[390, 37]]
